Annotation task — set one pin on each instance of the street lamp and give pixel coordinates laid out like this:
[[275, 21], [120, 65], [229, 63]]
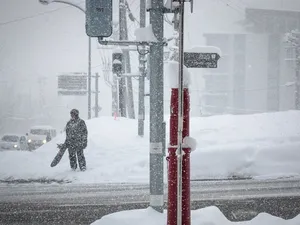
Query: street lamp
[[47, 2]]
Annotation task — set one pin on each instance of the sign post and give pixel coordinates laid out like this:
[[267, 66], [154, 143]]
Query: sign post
[[201, 60], [72, 84], [99, 18], [180, 113], [179, 154]]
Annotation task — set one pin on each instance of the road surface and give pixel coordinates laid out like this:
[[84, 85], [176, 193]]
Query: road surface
[[83, 204]]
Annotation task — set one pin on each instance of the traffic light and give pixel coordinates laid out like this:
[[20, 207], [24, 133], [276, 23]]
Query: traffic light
[[117, 63], [99, 15]]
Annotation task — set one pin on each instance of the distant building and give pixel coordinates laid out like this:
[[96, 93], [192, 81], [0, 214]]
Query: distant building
[[257, 68]]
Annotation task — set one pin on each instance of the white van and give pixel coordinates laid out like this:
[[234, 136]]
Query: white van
[[39, 135]]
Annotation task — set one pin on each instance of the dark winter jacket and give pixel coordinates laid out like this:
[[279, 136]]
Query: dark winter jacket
[[76, 134]]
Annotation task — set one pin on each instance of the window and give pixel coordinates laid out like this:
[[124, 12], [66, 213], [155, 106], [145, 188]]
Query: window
[[10, 138], [39, 132]]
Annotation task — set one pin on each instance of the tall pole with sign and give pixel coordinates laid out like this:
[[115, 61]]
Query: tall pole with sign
[[179, 152], [156, 106], [180, 114], [98, 16], [122, 82]]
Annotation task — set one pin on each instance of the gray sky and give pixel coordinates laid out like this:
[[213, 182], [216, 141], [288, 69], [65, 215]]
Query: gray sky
[[31, 47], [45, 45]]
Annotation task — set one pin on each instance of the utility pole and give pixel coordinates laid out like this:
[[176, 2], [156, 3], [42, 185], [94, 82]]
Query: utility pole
[[114, 90], [122, 32], [297, 75], [156, 106], [142, 67], [97, 95], [90, 81], [130, 103]]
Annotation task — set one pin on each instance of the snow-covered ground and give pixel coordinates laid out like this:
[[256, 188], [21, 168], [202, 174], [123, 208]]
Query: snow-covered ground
[[206, 216], [259, 146]]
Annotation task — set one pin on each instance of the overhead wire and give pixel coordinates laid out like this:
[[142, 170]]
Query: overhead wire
[[239, 10], [35, 15]]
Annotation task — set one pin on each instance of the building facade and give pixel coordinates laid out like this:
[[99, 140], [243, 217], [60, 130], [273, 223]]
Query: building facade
[[257, 68]]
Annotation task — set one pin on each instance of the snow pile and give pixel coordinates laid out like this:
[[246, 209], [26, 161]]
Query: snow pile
[[205, 49], [115, 153], [171, 69], [190, 143], [259, 146], [145, 34], [206, 216]]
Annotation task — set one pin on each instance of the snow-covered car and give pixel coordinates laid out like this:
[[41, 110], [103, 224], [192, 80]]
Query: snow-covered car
[[13, 141], [39, 135]]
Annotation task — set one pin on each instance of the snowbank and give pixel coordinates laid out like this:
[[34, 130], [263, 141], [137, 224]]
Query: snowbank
[[206, 216], [259, 146]]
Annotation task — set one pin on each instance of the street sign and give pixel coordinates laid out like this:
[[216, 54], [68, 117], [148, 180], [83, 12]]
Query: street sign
[[72, 84], [201, 60], [99, 18]]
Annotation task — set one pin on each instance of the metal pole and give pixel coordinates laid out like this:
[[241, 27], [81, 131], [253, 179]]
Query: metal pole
[[156, 107], [130, 102], [297, 75], [180, 114], [122, 88], [97, 95], [90, 80], [142, 60], [114, 93]]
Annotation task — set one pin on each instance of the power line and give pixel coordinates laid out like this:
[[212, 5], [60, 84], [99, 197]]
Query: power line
[[239, 10], [33, 16]]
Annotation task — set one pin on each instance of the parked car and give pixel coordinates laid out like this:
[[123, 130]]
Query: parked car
[[14, 141], [39, 135]]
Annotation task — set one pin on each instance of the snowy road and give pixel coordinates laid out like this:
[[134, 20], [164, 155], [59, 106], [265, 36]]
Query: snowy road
[[85, 203]]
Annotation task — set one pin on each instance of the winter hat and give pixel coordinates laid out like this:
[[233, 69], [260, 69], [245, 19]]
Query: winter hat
[[74, 112]]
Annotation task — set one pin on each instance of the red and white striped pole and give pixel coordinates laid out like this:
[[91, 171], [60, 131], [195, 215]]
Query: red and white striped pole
[[179, 212], [172, 158]]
